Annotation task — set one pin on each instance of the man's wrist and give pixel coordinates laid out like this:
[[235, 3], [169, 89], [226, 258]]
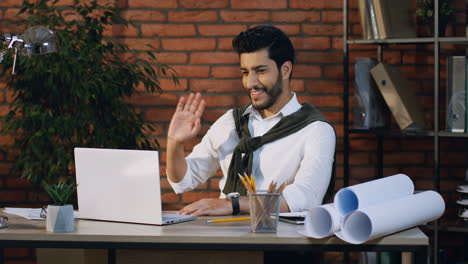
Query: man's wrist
[[174, 146], [174, 141], [234, 198]]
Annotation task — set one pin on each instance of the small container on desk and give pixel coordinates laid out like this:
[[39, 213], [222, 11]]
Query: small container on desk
[[264, 212]]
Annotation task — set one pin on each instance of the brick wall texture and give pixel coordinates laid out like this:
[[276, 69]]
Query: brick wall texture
[[194, 37]]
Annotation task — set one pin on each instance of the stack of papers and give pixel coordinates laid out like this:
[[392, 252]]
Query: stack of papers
[[29, 213]]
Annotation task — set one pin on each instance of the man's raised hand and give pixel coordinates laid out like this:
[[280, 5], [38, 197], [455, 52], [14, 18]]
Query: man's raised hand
[[185, 123]]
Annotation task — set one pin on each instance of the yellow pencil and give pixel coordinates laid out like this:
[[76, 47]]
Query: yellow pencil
[[246, 185], [228, 219], [252, 179], [247, 178]]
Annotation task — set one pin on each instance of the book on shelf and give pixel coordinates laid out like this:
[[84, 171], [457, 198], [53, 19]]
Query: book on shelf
[[399, 96], [364, 17], [456, 94], [373, 19], [383, 19]]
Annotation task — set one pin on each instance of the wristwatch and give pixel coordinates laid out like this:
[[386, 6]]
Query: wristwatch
[[234, 197]]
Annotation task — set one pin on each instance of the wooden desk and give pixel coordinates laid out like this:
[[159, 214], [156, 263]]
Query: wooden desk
[[193, 235]]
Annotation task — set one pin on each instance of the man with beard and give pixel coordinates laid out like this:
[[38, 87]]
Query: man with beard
[[274, 138]]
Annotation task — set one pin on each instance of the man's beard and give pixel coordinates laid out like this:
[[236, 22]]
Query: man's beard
[[273, 93]]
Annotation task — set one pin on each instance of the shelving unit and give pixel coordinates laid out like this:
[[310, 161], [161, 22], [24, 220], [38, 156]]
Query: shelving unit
[[436, 133]]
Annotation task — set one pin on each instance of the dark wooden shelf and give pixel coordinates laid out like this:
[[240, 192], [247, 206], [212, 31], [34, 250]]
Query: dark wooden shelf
[[422, 133], [452, 134], [391, 41], [442, 40], [447, 227], [454, 40], [384, 132]]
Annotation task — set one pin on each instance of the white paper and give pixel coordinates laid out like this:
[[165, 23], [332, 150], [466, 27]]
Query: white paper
[[322, 221], [373, 192], [29, 213], [392, 216], [294, 214]]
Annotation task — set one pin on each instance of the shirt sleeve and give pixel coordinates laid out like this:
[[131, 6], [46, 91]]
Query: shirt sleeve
[[203, 162], [314, 174]]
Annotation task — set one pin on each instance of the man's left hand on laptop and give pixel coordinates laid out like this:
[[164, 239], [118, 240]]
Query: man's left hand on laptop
[[208, 206]]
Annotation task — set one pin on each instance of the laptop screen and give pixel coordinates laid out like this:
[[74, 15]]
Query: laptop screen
[[118, 185]]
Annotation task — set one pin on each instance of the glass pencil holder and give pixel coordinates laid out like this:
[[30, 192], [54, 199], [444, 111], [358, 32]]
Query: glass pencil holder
[[264, 212]]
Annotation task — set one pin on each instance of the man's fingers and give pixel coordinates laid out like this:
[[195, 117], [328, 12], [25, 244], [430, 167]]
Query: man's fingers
[[189, 102], [193, 103], [196, 208], [192, 108], [196, 102], [186, 210], [189, 209], [200, 109], [200, 212], [180, 104]]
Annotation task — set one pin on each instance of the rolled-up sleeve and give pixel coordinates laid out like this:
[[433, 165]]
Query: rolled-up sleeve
[[202, 163], [204, 160], [313, 176]]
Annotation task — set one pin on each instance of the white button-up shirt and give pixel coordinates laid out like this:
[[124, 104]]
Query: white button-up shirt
[[303, 159]]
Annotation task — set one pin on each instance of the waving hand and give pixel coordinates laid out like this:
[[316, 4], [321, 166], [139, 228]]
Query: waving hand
[[185, 123]]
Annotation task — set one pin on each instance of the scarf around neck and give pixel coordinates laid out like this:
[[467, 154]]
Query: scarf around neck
[[288, 125]]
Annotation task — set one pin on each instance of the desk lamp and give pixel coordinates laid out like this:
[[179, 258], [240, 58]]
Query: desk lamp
[[35, 40]]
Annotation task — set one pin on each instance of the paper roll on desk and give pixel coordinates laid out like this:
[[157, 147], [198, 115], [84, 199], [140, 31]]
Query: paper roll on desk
[[373, 209], [373, 192], [392, 216], [322, 221]]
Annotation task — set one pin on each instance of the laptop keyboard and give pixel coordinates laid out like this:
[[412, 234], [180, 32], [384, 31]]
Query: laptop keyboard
[[169, 217]]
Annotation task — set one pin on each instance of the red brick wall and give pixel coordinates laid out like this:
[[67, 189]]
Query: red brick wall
[[194, 36]]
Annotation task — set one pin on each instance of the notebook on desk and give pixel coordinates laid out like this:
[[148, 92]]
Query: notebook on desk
[[122, 186]]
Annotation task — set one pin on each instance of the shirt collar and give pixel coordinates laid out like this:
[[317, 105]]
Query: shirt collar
[[291, 107]]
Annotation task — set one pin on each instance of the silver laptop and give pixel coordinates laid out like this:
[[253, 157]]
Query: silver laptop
[[121, 185]]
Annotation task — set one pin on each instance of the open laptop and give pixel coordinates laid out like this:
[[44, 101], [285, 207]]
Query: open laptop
[[121, 185]]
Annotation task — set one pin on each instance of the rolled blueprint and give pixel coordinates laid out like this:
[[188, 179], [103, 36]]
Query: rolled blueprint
[[392, 216], [373, 192], [322, 221]]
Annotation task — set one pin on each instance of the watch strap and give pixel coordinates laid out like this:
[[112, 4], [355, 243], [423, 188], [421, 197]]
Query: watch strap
[[235, 205]]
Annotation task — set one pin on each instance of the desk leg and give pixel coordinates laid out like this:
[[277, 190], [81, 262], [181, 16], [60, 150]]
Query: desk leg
[[407, 258], [346, 258], [422, 256], [110, 256]]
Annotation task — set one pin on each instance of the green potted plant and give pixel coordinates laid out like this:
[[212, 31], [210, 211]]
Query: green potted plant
[[425, 12], [60, 214], [77, 96]]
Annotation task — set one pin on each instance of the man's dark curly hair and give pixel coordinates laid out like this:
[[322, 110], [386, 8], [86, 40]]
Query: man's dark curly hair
[[277, 43]]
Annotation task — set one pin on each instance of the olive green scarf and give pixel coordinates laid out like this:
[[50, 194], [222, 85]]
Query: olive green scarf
[[247, 144]]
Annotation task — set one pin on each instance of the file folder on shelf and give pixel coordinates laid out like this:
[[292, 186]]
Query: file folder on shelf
[[456, 94], [399, 97], [368, 105]]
